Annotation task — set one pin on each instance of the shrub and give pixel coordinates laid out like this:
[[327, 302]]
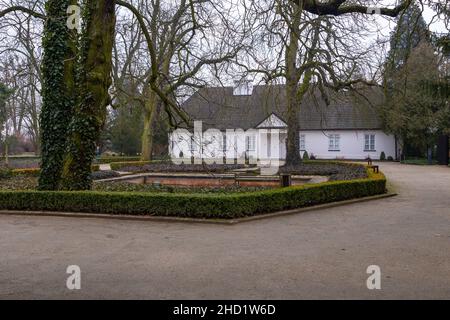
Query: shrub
[[390, 158], [312, 157], [305, 155], [225, 206], [382, 156]]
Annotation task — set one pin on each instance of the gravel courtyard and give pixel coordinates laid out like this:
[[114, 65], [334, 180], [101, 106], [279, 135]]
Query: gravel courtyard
[[317, 254]]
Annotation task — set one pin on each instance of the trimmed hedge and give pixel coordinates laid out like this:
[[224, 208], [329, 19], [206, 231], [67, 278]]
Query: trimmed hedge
[[35, 172], [211, 206], [2, 158], [165, 166], [31, 172], [104, 160], [123, 164]]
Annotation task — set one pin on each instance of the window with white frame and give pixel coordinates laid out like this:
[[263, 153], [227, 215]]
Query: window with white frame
[[302, 142], [224, 142], [334, 141], [369, 142], [250, 143]]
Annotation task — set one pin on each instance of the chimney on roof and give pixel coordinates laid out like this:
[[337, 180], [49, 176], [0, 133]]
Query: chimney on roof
[[243, 87]]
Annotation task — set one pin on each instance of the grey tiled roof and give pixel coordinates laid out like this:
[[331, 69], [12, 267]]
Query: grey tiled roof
[[217, 107]]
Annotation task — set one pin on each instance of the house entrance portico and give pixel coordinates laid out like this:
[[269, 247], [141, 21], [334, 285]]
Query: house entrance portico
[[272, 138]]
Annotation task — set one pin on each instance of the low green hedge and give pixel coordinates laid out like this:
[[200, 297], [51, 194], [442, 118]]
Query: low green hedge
[[30, 172], [116, 159], [419, 162], [213, 206], [34, 172], [120, 165], [2, 158]]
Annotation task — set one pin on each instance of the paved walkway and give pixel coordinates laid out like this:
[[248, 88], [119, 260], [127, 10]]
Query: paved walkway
[[318, 254]]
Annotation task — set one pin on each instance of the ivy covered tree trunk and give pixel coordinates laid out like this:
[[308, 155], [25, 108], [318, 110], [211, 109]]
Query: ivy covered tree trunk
[[58, 91], [95, 80]]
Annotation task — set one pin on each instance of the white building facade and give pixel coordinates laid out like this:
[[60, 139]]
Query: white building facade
[[215, 138]]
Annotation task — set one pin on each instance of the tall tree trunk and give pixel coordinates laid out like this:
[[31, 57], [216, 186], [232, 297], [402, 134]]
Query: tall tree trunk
[[151, 112], [292, 142], [149, 119], [58, 91], [6, 152], [95, 80], [293, 104]]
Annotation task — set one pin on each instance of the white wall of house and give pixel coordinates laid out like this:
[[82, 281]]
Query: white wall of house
[[352, 144], [212, 144], [264, 144]]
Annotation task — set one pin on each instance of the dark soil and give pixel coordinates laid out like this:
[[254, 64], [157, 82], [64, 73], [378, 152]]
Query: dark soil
[[336, 171], [169, 167]]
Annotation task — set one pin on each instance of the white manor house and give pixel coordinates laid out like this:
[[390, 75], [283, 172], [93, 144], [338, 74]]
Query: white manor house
[[249, 121]]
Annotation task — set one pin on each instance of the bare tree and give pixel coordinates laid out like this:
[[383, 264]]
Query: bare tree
[[20, 48], [314, 47], [182, 39]]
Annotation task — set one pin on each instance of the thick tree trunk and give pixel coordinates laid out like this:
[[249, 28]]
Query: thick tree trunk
[[151, 112], [58, 91], [149, 119], [293, 104], [292, 142], [95, 80]]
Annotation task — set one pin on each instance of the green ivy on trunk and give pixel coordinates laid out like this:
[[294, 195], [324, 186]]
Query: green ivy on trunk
[[95, 79], [58, 90]]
